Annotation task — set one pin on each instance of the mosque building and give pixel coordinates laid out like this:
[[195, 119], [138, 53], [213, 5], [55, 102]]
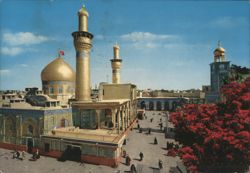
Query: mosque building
[[63, 120], [24, 117], [100, 125]]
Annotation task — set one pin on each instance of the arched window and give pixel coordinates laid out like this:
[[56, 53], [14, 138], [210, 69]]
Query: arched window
[[60, 90], [51, 90], [151, 105], [166, 106]]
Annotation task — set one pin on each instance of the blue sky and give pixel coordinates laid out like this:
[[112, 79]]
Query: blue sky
[[163, 44]]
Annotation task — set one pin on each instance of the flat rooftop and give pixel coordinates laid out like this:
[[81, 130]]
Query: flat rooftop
[[97, 135]]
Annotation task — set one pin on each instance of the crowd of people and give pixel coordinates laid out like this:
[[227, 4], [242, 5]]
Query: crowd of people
[[21, 155]]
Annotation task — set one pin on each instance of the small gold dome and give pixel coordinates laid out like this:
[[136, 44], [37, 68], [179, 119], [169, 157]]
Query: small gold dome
[[220, 49], [58, 70]]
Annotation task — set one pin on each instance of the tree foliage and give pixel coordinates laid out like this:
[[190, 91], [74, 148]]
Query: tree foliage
[[216, 135]]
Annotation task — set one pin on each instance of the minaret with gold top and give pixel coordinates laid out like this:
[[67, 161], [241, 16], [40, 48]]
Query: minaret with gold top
[[116, 65], [219, 72], [219, 53], [83, 44]]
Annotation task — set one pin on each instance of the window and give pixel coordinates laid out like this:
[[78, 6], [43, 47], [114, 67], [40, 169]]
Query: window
[[221, 66], [60, 90], [51, 90]]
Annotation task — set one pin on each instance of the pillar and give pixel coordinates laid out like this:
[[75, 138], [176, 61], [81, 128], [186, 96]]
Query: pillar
[[98, 121], [113, 111], [119, 119]]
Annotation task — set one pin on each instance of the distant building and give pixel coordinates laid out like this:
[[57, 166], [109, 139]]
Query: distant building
[[219, 72]]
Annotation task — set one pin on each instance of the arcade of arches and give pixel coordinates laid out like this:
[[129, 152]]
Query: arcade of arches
[[160, 104]]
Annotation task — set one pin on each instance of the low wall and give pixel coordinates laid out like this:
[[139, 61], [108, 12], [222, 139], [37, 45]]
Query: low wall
[[13, 146]]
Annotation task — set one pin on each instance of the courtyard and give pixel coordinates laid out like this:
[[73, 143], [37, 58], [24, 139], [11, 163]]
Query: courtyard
[[135, 143]]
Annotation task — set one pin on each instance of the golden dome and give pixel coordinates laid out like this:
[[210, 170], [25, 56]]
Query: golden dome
[[58, 70], [220, 49]]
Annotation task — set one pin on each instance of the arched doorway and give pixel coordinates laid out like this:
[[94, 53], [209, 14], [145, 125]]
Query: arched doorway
[[166, 105], [143, 105], [174, 105], [151, 106], [10, 130], [158, 106], [63, 122]]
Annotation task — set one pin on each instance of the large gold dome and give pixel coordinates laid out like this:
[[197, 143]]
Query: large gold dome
[[58, 70]]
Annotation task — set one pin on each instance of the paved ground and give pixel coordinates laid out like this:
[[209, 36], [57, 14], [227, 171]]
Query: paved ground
[[136, 143]]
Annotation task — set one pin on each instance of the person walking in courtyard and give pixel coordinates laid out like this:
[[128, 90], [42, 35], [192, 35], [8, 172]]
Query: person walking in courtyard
[[161, 126], [124, 153], [138, 126], [128, 160], [133, 169], [149, 131], [155, 141], [141, 156], [160, 164]]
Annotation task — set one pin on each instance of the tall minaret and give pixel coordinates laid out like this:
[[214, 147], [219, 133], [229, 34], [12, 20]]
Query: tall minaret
[[116, 65], [83, 44]]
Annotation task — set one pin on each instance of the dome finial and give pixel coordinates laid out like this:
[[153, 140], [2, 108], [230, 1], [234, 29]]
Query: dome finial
[[219, 43]]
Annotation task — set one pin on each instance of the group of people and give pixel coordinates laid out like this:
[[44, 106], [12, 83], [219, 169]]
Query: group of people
[[18, 155], [35, 155], [21, 156], [171, 145]]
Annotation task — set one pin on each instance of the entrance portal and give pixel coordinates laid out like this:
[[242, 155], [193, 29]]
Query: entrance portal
[[72, 153]]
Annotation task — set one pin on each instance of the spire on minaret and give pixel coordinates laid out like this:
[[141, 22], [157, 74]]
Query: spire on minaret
[[219, 43], [83, 19]]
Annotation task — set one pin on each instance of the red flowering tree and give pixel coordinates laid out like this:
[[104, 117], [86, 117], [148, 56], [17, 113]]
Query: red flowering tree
[[216, 137]]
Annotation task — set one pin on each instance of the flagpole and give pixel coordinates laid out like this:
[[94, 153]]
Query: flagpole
[[59, 53]]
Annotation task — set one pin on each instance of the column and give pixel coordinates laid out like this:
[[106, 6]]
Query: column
[[118, 121], [98, 111], [3, 128], [122, 116], [114, 117]]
